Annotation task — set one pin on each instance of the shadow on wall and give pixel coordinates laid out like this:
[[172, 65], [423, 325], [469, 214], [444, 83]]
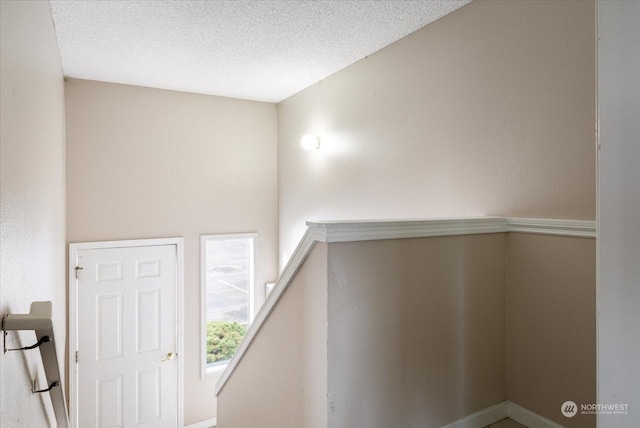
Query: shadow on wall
[[416, 330]]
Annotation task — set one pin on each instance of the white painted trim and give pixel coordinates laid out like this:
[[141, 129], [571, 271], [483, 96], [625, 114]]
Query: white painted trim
[[73, 313], [500, 411], [367, 230], [73, 335], [209, 423], [179, 243], [482, 418], [528, 418], [126, 243], [574, 228]]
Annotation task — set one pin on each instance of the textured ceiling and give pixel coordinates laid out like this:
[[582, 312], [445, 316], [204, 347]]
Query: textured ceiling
[[259, 50]]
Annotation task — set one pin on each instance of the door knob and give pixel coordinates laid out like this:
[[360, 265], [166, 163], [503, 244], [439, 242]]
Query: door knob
[[169, 356]]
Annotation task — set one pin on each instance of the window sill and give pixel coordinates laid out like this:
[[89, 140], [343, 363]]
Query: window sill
[[214, 372]]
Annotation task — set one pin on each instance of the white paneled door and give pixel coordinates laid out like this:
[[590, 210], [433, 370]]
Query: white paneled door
[[127, 343]]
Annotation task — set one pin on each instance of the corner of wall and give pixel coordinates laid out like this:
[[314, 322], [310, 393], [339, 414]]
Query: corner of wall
[[32, 192]]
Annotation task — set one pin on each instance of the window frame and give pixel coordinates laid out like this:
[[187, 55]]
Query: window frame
[[205, 371]]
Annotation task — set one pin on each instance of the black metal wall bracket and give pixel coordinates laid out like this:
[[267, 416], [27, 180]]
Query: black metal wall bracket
[[40, 321], [40, 391], [43, 339], [4, 335]]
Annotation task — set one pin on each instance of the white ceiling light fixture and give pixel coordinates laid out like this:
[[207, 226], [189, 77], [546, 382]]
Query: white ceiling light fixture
[[310, 142]]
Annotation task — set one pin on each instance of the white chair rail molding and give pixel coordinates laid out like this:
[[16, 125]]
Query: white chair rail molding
[[384, 311]]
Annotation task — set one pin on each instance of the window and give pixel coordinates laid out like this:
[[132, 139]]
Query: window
[[228, 278]]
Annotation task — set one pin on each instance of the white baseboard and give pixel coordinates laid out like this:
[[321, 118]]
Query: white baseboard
[[203, 424], [482, 418], [528, 418], [500, 411]]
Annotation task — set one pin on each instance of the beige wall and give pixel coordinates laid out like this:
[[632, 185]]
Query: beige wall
[[148, 163], [551, 325], [416, 330], [425, 331], [488, 111], [282, 380], [32, 195]]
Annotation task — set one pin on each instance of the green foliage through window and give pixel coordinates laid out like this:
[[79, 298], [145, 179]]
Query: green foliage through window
[[223, 338]]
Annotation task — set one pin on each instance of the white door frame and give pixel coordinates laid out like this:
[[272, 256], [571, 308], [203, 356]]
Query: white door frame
[[73, 313]]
